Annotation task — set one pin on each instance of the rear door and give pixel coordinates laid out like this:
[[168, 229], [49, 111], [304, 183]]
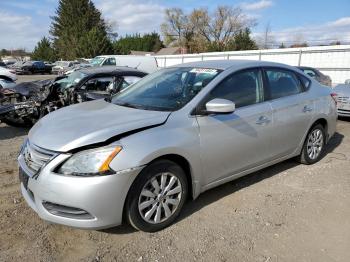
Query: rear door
[[292, 110], [231, 143]]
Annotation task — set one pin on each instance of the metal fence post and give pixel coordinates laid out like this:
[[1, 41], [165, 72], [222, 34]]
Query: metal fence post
[[299, 60], [165, 61]]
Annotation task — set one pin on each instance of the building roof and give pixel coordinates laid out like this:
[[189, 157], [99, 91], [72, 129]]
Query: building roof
[[169, 51], [133, 52]]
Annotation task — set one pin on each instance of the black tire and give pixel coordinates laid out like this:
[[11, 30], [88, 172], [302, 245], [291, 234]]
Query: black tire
[[304, 157], [132, 213]]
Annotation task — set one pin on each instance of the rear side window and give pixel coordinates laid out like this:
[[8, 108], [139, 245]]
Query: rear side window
[[282, 83], [243, 88]]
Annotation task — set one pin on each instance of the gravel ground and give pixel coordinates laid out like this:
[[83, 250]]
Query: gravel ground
[[287, 212]]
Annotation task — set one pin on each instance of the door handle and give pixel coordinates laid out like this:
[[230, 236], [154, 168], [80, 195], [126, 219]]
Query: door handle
[[307, 109], [262, 120]]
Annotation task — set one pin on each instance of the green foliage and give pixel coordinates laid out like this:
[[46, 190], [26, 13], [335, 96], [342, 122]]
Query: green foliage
[[43, 51], [148, 43], [239, 42], [78, 30], [243, 41]]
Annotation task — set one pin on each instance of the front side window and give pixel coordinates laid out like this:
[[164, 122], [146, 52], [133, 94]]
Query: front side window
[[309, 72], [168, 89], [243, 88], [109, 61], [282, 83], [98, 83]]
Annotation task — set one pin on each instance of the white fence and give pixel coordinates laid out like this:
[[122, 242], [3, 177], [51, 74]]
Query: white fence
[[330, 60]]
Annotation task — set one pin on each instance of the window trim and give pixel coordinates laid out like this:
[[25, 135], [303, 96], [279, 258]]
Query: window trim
[[198, 109], [267, 83]]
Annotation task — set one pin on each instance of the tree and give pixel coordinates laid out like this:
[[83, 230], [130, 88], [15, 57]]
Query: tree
[[43, 51], [148, 43], [201, 31], [243, 41], [177, 29], [78, 24]]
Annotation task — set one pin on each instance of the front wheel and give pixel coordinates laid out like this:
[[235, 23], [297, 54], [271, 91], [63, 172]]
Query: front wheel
[[157, 196], [314, 144]]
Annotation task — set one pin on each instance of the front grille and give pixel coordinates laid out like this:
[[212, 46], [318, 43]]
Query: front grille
[[36, 157], [343, 99]]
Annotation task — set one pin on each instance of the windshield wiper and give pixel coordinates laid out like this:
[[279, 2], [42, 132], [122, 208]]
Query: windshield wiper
[[127, 105]]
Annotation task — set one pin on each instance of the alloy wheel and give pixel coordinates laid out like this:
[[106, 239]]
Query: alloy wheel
[[159, 198], [315, 144]]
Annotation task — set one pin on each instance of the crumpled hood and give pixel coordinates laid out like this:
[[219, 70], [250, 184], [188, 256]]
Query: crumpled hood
[[89, 123], [30, 88]]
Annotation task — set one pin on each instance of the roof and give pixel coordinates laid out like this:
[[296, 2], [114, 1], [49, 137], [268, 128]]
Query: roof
[[226, 64], [132, 52], [107, 69], [169, 51]]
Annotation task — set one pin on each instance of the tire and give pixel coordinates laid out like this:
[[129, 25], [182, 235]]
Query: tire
[[313, 148], [152, 211]]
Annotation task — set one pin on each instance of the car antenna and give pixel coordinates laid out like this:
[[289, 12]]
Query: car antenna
[[137, 65]]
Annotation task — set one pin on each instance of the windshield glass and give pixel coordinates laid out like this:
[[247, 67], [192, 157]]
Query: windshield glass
[[71, 79], [166, 90], [97, 60]]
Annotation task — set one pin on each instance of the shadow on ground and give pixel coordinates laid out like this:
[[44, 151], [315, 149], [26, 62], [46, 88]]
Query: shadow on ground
[[8, 132]]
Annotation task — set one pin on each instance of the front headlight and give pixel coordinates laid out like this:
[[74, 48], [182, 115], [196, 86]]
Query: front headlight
[[90, 162]]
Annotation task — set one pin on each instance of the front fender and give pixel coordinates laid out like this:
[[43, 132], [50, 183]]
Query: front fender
[[176, 138]]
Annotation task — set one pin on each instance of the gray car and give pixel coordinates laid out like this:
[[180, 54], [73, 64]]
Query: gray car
[[342, 92], [169, 137]]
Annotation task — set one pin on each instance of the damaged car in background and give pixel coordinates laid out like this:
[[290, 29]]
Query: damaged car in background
[[26, 103]]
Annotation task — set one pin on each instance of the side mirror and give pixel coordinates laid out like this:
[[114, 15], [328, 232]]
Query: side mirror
[[220, 106]]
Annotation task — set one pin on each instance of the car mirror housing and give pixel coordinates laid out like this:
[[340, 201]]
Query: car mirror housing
[[220, 106]]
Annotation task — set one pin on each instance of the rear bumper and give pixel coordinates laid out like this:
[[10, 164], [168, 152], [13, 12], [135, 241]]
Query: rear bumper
[[81, 202]]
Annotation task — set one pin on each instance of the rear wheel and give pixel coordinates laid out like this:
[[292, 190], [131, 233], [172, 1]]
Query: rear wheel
[[157, 196], [314, 144]]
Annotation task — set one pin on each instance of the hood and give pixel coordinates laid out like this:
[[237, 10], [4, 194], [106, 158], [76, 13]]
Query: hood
[[342, 89], [90, 123], [30, 88]]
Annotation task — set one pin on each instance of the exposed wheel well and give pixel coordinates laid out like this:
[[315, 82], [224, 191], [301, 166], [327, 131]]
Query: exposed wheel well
[[184, 164]]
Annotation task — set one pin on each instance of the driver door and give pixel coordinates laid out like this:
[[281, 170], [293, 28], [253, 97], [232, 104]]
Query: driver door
[[231, 143]]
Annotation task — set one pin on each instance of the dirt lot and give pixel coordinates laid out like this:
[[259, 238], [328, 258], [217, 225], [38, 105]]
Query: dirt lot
[[288, 212]]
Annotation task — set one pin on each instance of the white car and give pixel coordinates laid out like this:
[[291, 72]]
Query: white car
[[146, 64], [7, 74]]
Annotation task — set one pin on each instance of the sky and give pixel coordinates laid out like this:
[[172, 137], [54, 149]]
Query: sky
[[24, 22]]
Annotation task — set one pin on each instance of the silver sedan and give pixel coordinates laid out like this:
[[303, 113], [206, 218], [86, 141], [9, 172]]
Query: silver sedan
[[342, 93], [168, 138]]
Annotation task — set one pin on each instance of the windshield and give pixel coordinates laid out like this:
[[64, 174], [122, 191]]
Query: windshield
[[97, 60], [71, 79], [166, 90]]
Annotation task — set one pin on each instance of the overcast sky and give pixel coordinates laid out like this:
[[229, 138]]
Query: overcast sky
[[24, 22]]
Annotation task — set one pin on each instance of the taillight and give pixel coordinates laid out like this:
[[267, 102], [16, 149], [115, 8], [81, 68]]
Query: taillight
[[334, 96]]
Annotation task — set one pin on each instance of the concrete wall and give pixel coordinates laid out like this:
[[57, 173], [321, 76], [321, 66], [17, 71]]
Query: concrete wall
[[330, 60]]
